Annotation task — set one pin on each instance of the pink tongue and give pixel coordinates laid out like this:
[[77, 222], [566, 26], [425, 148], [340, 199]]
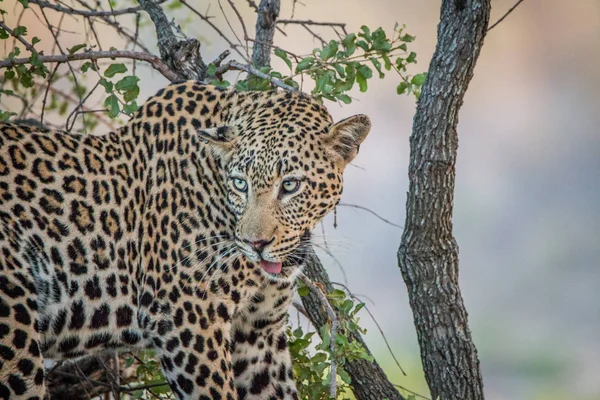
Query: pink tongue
[[271, 267]]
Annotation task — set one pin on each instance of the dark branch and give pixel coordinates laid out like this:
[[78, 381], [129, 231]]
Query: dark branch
[[505, 15], [206, 19], [234, 65], [164, 34], [310, 22], [153, 60], [84, 13], [25, 43]]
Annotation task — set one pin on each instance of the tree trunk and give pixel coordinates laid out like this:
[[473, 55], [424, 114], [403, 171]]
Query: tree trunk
[[428, 253]]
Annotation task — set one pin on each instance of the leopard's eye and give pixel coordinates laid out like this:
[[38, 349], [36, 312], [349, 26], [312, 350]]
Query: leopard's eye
[[290, 186], [240, 185]]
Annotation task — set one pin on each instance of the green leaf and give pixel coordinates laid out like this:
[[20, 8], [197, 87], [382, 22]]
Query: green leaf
[[387, 62], [329, 51], [108, 85], [24, 3], [283, 55], [3, 34], [5, 115], [242, 85], [401, 88], [303, 291], [130, 108], [76, 48], [349, 43], [10, 74], [340, 70], [305, 64], [407, 38], [344, 376], [62, 110], [366, 32], [418, 79], [87, 65], [412, 58], [344, 98], [365, 71], [129, 85], [377, 66], [211, 70], [35, 40], [337, 294], [20, 31], [112, 104], [114, 69], [363, 45]]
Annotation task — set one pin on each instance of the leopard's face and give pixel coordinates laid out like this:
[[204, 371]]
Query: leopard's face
[[281, 183]]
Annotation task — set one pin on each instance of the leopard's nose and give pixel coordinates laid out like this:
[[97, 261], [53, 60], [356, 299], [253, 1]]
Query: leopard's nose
[[259, 244]]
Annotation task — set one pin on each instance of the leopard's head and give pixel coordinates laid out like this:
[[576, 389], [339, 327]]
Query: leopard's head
[[283, 175]]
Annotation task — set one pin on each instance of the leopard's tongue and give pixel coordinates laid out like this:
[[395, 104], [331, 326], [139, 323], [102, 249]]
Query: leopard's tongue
[[271, 267]]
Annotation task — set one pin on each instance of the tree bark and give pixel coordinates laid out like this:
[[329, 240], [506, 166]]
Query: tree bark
[[428, 253], [369, 382], [268, 12]]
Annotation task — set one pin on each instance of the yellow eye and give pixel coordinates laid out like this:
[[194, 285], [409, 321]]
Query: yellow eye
[[240, 185], [290, 186]]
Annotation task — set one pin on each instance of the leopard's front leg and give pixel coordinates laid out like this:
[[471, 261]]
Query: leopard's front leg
[[260, 355], [193, 347]]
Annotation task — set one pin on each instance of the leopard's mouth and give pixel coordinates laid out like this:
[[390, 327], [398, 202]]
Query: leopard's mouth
[[287, 264]]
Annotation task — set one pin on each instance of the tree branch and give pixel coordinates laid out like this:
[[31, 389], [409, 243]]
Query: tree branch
[[153, 60], [25, 43], [182, 56], [268, 11], [505, 15], [164, 34], [234, 65], [206, 19], [310, 22], [428, 253], [66, 10]]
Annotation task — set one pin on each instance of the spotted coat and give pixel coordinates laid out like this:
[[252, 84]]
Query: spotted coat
[[182, 232]]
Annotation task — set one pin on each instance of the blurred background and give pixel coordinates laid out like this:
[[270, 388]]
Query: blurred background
[[527, 189]]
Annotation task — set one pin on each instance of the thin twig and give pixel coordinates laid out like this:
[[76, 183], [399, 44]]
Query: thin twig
[[25, 43], [300, 308], [206, 19], [334, 327], [60, 48], [411, 392], [377, 325], [234, 65], [233, 30], [371, 212], [505, 15], [153, 60], [46, 92], [84, 13], [310, 22], [74, 113]]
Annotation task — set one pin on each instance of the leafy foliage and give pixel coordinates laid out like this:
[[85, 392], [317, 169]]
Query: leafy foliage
[[341, 65], [312, 359]]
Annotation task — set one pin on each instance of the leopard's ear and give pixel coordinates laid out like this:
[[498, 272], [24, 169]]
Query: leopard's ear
[[221, 139], [345, 137]]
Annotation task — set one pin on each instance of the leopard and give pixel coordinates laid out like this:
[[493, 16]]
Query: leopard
[[183, 232]]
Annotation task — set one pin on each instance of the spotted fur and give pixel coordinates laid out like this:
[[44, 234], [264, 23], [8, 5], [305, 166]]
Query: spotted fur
[[142, 238]]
